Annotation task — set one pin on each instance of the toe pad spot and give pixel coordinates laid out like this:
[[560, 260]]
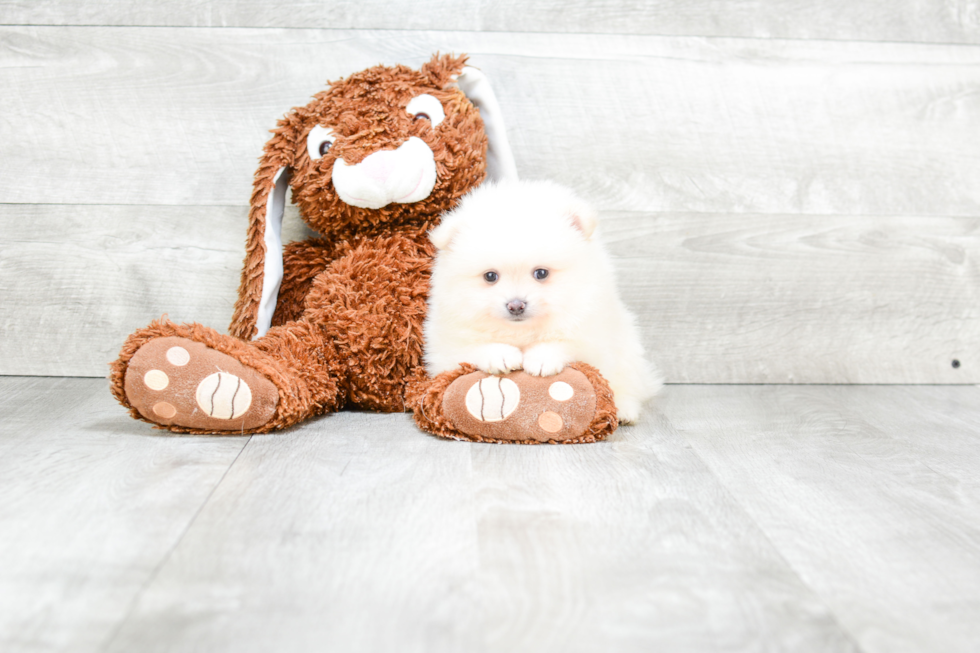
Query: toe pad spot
[[560, 391], [178, 356], [550, 422], [156, 380], [164, 410]]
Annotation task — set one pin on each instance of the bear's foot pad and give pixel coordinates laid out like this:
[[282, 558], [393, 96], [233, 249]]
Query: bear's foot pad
[[175, 381], [518, 407]]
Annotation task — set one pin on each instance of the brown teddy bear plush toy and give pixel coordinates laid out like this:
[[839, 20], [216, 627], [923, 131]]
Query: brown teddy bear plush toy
[[336, 321]]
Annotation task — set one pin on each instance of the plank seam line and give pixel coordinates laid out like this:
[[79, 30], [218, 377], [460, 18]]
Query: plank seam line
[[840, 384], [166, 557], [783, 39], [776, 550], [609, 213], [668, 383], [134, 204]]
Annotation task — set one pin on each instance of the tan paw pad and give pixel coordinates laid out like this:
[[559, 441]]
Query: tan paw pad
[[520, 407], [176, 381]]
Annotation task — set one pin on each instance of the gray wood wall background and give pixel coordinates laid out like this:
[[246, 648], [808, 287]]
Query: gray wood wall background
[[792, 189]]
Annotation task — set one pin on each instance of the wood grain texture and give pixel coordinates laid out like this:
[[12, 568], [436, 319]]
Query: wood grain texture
[[943, 21], [76, 280], [92, 504], [178, 116], [760, 299], [359, 533], [782, 211], [803, 299], [737, 518], [869, 493]]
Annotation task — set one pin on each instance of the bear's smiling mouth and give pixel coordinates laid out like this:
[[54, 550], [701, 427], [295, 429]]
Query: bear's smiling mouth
[[404, 175], [412, 192], [398, 200]]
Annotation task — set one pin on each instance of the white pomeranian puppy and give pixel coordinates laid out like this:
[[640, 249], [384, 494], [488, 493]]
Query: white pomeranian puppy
[[522, 280]]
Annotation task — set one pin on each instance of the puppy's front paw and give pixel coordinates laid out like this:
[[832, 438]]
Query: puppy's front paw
[[545, 359], [627, 409], [497, 358]]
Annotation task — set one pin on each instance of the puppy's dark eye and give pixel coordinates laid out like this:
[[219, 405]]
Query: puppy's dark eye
[[324, 146], [491, 276], [423, 115], [540, 274]]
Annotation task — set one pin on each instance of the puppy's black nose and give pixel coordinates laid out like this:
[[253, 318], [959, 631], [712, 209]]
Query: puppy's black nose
[[516, 307]]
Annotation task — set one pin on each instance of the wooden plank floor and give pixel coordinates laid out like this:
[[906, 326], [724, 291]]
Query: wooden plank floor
[[734, 518]]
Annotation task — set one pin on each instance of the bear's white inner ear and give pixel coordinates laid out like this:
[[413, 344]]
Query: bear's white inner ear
[[500, 158], [272, 272]]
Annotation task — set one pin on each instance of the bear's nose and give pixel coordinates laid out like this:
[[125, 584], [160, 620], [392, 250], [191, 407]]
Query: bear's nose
[[380, 165], [516, 307]]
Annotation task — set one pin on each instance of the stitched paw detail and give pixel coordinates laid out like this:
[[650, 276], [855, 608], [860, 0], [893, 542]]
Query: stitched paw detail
[[520, 407], [492, 399], [223, 396]]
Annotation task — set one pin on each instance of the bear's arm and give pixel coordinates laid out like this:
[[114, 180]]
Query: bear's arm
[[302, 261]]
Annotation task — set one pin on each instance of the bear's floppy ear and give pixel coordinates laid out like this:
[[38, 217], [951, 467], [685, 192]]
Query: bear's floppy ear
[[262, 272], [441, 71], [500, 158]]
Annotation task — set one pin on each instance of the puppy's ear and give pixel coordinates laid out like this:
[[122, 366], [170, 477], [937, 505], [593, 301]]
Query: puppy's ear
[[442, 236], [583, 217]]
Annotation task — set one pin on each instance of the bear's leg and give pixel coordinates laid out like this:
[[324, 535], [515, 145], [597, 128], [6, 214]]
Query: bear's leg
[[190, 378], [370, 305], [573, 406]]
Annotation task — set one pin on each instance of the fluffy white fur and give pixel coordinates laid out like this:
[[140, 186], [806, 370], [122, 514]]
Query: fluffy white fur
[[513, 228]]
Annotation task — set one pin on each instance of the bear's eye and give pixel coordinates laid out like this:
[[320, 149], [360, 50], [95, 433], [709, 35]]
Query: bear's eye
[[491, 276], [319, 141], [540, 274], [426, 106]]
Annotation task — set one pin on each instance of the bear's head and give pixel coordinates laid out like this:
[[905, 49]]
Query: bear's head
[[386, 149]]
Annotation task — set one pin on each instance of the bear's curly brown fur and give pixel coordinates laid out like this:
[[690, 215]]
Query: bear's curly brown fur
[[425, 397], [367, 113], [347, 329], [348, 322]]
